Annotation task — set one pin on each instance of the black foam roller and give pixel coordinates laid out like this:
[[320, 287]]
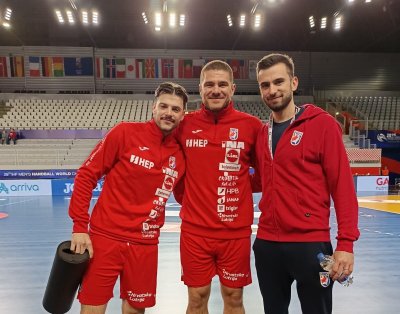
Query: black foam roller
[[65, 277]]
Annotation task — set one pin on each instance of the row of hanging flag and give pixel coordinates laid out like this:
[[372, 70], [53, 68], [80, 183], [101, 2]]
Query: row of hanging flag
[[117, 68]]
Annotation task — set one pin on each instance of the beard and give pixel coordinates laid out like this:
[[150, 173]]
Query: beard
[[207, 102], [278, 107]]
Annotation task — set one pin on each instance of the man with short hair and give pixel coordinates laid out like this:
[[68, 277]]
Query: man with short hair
[[141, 162], [303, 163], [217, 207]]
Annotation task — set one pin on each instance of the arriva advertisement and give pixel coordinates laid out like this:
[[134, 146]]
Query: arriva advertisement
[[25, 187]]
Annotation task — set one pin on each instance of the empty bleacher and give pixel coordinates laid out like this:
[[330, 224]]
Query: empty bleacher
[[382, 112], [73, 114], [45, 153]]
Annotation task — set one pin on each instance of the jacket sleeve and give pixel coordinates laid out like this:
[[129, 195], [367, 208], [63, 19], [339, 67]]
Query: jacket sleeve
[[341, 186], [179, 190], [99, 163], [256, 177]]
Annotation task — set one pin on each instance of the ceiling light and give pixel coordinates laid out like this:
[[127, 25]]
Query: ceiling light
[[182, 20], [8, 13], [59, 17], [146, 21], [323, 22], [158, 19], [242, 20], [95, 17], [172, 20], [6, 24], [85, 18], [312, 21], [257, 20], [70, 17], [367, 1], [229, 18], [338, 22]]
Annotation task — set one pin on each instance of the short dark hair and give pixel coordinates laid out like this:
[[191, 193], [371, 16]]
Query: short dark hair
[[172, 89], [275, 58], [217, 65]]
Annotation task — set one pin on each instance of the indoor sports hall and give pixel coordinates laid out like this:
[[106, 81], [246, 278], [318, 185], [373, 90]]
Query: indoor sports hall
[[71, 70]]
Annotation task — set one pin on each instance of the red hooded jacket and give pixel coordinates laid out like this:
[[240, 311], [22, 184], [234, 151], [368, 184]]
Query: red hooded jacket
[[310, 166]]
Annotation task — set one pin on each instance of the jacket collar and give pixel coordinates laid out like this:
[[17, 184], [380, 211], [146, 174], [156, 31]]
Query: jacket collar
[[216, 115]]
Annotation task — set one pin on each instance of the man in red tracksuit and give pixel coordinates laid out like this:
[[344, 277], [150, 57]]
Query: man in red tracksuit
[[303, 163], [142, 162], [217, 209]]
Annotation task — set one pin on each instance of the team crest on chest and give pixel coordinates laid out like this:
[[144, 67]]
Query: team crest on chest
[[172, 162], [233, 134], [296, 138]]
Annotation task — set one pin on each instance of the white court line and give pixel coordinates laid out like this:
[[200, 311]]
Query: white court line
[[19, 202]]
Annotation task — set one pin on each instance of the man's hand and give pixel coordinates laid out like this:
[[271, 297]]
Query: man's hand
[[344, 263], [81, 242]]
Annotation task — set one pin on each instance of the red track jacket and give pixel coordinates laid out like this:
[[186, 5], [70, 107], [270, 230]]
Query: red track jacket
[[217, 199], [141, 167]]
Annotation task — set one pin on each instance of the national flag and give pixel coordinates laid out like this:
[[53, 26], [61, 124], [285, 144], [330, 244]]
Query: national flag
[[150, 68], [120, 67], [252, 69], [197, 66], [99, 67], [47, 66], [235, 65], [187, 68], [167, 68], [34, 66], [78, 66], [58, 66], [176, 68], [109, 68], [3, 67], [130, 68], [158, 68], [140, 68], [243, 69], [19, 66]]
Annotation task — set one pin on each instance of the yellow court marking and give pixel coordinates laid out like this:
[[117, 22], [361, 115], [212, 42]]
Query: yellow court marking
[[386, 203]]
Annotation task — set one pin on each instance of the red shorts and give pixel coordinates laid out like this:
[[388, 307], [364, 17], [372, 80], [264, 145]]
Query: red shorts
[[136, 264], [203, 258]]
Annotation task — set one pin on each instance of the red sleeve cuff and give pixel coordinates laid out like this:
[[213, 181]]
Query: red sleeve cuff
[[80, 227], [345, 245]]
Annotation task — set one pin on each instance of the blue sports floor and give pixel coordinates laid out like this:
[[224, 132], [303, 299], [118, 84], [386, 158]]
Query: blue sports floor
[[31, 229]]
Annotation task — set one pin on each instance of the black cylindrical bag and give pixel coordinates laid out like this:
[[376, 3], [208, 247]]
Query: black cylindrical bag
[[65, 277]]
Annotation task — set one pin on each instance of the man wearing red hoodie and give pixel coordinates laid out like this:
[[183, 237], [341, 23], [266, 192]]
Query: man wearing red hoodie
[[217, 209], [303, 163], [141, 162]]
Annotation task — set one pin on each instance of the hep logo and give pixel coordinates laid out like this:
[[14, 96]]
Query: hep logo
[[3, 188], [232, 156], [382, 181]]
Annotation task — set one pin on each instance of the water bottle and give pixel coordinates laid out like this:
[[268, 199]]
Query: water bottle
[[326, 262]]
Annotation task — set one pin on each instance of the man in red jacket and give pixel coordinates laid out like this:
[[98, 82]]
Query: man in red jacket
[[141, 162], [303, 163], [217, 208]]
